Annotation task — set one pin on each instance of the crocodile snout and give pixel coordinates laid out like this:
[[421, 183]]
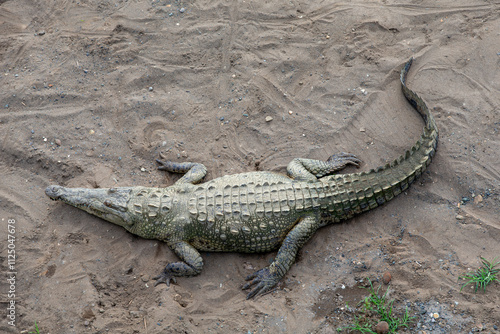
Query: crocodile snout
[[53, 192]]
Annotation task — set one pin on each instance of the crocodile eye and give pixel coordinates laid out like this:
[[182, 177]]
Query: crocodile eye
[[108, 203]]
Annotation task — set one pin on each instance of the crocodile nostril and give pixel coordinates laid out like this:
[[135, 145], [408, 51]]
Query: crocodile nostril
[[52, 191]]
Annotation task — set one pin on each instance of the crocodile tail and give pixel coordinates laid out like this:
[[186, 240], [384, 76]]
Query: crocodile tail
[[396, 176], [418, 103], [419, 155], [363, 191]]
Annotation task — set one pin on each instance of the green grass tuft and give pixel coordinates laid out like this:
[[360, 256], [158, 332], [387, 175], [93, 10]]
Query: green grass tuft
[[37, 331], [377, 307], [485, 275]]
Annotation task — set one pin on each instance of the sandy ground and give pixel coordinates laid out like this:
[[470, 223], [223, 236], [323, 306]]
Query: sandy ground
[[92, 92]]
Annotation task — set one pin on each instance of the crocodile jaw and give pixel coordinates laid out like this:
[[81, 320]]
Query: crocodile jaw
[[108, 204]]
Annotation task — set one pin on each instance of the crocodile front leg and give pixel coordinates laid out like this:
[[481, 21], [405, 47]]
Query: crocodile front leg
[[267, 278], [309, 170], [195, 172], [192, 265]]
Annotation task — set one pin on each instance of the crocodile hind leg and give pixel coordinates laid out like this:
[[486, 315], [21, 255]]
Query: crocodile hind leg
[[191, 265], [195, 172], [265, 280], [309, 170]]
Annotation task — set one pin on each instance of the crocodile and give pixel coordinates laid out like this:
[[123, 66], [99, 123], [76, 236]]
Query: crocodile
[[258, 211]]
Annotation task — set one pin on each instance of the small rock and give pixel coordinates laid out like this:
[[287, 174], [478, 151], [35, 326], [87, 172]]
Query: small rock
[[135, 314], [435, 315], [182, 10], [58, 142], [362, 129], [382, 327], [269, 118], [459, 217], [386, 278], [41, 33], [478, 199], [150, 89]]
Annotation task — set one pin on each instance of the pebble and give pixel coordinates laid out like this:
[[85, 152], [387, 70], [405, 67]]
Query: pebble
[[182, 10], [269, 118], [58, 142], [135, 314], [478, 199], [362, 129], [382, 327], [435, 315], [150, 89], [387, 277], [459, 217]]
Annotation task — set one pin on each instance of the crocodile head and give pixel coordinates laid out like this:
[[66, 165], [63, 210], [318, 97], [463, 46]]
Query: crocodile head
[[109, 204]]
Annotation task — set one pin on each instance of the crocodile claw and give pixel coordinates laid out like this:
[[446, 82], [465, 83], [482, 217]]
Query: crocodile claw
[[164, 277], [343, 159], [263, 280]]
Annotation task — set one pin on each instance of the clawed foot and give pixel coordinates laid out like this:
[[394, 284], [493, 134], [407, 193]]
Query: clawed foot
[[165, 165], [164, 277], [342, 159], [264, 280]]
